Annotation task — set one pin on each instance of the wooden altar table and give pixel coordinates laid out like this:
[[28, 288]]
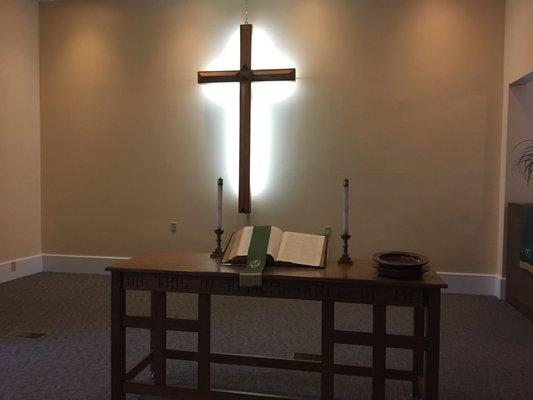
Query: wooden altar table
[[198, 273]]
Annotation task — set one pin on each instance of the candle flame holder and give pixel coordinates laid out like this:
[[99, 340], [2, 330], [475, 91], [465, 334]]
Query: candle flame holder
[[218, 253], [345, 258]]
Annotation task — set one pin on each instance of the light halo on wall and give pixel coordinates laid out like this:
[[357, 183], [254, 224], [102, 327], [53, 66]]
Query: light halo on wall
[[265, 55]]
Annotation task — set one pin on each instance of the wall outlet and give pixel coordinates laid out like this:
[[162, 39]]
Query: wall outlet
[[13, 266], [173, 227]]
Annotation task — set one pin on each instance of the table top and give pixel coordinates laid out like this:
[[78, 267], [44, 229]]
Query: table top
[[201, 264]]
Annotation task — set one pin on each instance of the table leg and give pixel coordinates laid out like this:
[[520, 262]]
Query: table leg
[[379, 352], [432, 353], [418, 354], [153, 336], [118, 337], [204, 343], [328, 350], [159, 337]]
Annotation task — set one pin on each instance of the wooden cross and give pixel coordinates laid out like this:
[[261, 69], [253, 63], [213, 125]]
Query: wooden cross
[[245, 76]]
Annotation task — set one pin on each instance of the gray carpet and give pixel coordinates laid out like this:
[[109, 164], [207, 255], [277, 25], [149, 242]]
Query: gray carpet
[[486, 350]]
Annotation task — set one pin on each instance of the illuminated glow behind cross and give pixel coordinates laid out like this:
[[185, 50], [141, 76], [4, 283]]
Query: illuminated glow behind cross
[[254, 147]]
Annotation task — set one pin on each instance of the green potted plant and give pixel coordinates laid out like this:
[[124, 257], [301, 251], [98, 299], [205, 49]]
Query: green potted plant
[[525, 162]]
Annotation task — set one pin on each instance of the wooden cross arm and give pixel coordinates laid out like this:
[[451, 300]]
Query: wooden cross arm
[[218, 76], [288, 74]]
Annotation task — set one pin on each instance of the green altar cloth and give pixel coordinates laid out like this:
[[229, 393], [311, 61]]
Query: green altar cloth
[[257, 257]]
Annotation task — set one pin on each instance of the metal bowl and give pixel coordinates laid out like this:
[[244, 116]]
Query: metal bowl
[[402, 260]]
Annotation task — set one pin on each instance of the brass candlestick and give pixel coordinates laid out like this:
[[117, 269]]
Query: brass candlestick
[[217, 253], [327, 234], [345, 258]]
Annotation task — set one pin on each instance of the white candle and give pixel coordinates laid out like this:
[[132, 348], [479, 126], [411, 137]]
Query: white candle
[[219, 203], [345, 208]]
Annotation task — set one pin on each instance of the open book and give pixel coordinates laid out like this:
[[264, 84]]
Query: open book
[[284, 248]]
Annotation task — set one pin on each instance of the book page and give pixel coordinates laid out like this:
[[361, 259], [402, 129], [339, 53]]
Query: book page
[[301, 248], [244, 241], [231, 249], [274, 242], [236, 246], [229, 246], [240, 242]]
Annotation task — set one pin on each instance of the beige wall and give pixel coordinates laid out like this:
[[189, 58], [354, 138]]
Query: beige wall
[[520, 128], [518, 39], [20, 169], [518, 62], [404, 98]]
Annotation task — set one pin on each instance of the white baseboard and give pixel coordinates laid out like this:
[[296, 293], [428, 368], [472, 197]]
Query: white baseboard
[[480, 284], [20, 267], [461, 283], [78, 264]]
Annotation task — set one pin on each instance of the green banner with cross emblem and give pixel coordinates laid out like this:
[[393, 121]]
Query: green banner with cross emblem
[[257, 257]]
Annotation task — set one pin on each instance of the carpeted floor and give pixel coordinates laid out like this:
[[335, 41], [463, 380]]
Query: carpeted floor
[[486, 345]]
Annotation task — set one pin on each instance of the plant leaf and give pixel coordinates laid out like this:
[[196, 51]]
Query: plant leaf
[[525, 162]]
